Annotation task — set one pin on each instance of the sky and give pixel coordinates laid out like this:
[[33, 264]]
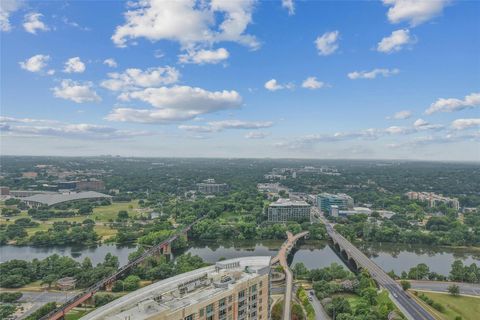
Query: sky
[[391, 79]]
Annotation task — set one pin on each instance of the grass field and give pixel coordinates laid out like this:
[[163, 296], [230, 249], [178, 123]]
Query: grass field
[[466, 307], [77, 313], [101, 215]]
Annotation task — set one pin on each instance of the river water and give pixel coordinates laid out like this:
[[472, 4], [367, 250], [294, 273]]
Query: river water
[[314, 254]]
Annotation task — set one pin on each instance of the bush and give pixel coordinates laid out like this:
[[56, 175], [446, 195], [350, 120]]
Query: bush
[[103, 299], [45, 309], [9, 297]]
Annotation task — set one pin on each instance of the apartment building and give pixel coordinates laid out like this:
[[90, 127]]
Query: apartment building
[[434, 199], [235, 289], [284, 210], [342, 201]]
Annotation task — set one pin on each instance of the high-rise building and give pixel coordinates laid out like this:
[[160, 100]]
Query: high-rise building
[[325, 201], [284, 210], [235, 289]]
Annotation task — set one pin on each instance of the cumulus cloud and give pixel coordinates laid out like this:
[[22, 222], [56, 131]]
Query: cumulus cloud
[[256, 135], [452, 104], [7, 7], [273, 85], [216, 126], [414, 12], [76, 91], [53, 128], [289, 5], [191, 23], [462, 124], [312, 83], [32, 23], [395, 41], [204, 56], [372, 74], [401, 115], [36, 63], [74, 65], [327, 43], [110, 62], [175, 103], [134, 78]]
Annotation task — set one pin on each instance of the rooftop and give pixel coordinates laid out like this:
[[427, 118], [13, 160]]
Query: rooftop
[[183, 290], [288, 203], [52, 199]]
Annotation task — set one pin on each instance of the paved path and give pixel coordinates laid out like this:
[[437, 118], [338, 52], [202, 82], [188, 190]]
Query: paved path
[[320, 313], [410, 308], [282, 259], [472, 289]]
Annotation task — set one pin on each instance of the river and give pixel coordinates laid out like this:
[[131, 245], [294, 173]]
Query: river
[[314, 254]]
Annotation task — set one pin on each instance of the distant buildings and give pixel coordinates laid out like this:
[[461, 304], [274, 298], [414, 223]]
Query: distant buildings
[[29, 175], [341, 201], [271, 187], [434, 199], [82, 185], [209, 186], [235, 289], [284, 210], [335, 212]]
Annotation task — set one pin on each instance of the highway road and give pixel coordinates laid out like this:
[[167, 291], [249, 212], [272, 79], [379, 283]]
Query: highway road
[[320, 313], [472, 289], [411, 309]]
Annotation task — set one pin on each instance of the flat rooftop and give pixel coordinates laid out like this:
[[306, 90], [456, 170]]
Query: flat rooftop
[[183, 290], [289, 203]]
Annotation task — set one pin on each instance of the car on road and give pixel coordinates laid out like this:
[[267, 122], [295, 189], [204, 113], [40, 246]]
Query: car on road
[[310, 298], [395, 295]]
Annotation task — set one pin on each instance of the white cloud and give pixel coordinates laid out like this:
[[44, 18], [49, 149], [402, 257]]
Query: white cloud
[[462, 124], [74, 65], [289, 5], [110, 62], [76, 91], [54, 128], [327, 43], [372, 74], [452, 104], [421, 124], [312, 83], [134, 78], [395, 41], [7, 7], [32, 23], [256, 135], [36, 63], [273, 85], [175, 103], [190, 22], [401, 115], [414, 11], [204, 56], [216, 126]]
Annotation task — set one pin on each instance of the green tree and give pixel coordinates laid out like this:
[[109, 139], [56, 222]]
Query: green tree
[[454, 290], [405, 284]]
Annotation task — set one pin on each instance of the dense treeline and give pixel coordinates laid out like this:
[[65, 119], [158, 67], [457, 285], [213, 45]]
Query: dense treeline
[[437, 231]]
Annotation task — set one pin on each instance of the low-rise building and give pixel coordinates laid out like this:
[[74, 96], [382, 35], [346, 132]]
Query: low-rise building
[[325, 201], [52, 199], [235, 289], [284, 210], [434, 199], [209, 186]]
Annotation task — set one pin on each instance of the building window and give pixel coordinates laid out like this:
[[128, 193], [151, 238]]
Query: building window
[[189, 317], [230, 298], [222, 302], [253, 288], [202, 312], [209, 309]]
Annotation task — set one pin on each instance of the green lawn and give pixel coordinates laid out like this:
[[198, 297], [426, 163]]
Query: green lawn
[[466, 307], [101, 215], [77, 313]]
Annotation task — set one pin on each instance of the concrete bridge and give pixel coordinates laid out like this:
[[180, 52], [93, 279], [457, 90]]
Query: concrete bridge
[[410, 308], [281, 258]]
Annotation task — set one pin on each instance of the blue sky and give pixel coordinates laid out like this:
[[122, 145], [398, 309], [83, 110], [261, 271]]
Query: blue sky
[[392, 79]]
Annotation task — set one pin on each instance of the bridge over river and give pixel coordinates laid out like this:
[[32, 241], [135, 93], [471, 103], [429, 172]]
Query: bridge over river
[[410, 308]]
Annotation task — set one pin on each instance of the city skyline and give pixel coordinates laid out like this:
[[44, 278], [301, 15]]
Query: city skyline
[[288, 79]]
